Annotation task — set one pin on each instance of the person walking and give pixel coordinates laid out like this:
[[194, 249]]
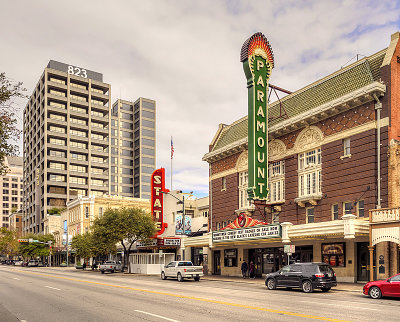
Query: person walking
[[84, 265], [252, 270], [244, 268]]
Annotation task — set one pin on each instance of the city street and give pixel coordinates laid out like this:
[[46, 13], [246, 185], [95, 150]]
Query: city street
[[66, 294]]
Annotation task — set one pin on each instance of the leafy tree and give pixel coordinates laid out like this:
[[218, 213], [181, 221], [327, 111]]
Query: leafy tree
[[36, 249], [8, 131], [83, 245], [124, 225], [8, 241], [55, 211]]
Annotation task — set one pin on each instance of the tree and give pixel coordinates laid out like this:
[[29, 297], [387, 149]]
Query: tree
[[8, 241], [124, 225], [83, 245], [8, 130], [36, 249]]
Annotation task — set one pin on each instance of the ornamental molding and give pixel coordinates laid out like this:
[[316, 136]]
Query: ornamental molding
[[310, 137], [242, 163], [276, 150]]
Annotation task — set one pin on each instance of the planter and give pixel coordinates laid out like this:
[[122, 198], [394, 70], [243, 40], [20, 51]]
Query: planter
[[79, 267]]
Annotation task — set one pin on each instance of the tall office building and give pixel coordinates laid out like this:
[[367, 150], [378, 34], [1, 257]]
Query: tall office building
[[11, 190], [66, 141], [133, 143]]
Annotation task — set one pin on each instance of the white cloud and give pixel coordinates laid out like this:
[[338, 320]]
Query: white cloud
[[185, 55]]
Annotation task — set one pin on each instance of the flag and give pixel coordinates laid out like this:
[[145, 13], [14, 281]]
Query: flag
[[172, 148]]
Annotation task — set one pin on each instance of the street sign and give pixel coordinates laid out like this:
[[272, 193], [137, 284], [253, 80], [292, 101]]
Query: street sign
[[23, 240], [31, 240], [289, 249]]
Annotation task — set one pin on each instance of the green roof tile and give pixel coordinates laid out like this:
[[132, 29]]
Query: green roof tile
[[327, 89]]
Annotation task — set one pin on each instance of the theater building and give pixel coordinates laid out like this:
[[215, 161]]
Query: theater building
[[329, 151]]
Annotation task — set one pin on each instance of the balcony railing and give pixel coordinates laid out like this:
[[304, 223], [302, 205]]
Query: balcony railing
[[385, 215]]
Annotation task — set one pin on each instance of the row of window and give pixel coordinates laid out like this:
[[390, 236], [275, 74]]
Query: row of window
[[13, 179], [7, 205], [13, 185], [76, 85], [13, 199]]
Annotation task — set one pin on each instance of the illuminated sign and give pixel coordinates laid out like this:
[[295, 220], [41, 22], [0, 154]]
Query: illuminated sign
[[158, 185], [258, 232], [258, 61]]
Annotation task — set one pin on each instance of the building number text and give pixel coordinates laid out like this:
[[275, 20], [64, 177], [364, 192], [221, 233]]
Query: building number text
[[77, 71]]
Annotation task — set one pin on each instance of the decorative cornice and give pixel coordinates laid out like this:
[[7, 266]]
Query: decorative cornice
[[325, 111]]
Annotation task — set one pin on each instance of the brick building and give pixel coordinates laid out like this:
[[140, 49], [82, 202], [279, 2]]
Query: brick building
[[328, 157]]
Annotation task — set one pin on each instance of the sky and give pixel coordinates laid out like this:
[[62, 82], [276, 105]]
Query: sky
[[185, 55]]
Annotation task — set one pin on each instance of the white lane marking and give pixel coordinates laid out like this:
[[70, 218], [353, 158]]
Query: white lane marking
[[23, 321], [16, 278], [158, 316], [53, 288]]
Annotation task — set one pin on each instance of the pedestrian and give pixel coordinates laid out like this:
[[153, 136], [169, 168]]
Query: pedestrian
[[244, 268], [252, 270], [84, 265]]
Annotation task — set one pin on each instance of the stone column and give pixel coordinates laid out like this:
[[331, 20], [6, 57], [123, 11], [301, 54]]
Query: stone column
[[371, 262]]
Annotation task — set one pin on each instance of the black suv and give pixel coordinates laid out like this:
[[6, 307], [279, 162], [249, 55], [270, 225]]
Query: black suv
[[307, 276]]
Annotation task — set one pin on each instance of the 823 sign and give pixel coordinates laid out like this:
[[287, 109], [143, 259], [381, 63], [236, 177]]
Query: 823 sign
[[77, 71]]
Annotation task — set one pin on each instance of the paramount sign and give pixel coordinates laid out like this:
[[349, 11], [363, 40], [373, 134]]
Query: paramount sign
[[261, 232]]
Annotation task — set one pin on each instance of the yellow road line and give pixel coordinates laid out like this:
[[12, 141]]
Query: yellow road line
[[307, 316]]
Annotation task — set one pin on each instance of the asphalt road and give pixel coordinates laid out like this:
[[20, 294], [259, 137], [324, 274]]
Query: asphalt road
[[55, 294]]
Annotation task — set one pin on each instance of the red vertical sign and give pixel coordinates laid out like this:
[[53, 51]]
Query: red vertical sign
[[158, 185]]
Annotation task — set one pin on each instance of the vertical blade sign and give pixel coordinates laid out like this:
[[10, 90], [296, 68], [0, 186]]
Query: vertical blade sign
[[258, 61], [157, 186]]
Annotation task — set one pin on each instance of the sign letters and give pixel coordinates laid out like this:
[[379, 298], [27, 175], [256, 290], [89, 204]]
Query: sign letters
[[158, 185]]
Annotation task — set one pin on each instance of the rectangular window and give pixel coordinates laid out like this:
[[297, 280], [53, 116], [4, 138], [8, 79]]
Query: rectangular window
[[97, 159], [58, 105], [335, 212], [97, 136], [78, 98], [348, 207], [57, 129], [5, 205], [57, 166], [57, 117], [97, 170], [5, 191], [223, 184], [97, 182], [346, 146], [243, 181], [14, 192], [86, 212], [78, 109], [6, 184], [76, 85], [77, 168], [309, 169], [57, 177], [230, 257], [54, 92], [77, 180], [57, 141], [59, 154], [276, 174], [78, 133], [79, 145], [360, 208], [79, 157], [310, 215]]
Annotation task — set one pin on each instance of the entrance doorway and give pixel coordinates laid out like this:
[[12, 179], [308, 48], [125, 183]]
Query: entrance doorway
[[217, 262], [267, 260], [362, 262]]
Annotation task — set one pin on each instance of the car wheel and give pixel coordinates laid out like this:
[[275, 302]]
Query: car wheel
[[307, 287], [271, 284], [113, 271], [197, 279], [180, 278], [375, 292], [163, 277], [102, 272], [325, 289]]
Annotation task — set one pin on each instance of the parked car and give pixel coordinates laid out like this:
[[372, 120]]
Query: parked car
[[111, 266], [18, 263], [182, 270], [307, 276], [388, 287], [33, 263]]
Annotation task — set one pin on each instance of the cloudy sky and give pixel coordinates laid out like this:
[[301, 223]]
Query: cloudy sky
[[185, 55]]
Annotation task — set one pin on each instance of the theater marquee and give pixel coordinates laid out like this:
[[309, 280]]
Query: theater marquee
[[260, 232]]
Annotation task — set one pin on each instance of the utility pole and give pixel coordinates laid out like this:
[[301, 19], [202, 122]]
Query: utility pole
[[50, 253], [67, 248]]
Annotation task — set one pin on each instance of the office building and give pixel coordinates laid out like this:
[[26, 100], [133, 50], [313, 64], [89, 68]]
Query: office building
[[66, 141], [11, 190], [133, 143]]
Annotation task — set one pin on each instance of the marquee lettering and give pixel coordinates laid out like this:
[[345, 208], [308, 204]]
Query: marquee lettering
[[158, 185]]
